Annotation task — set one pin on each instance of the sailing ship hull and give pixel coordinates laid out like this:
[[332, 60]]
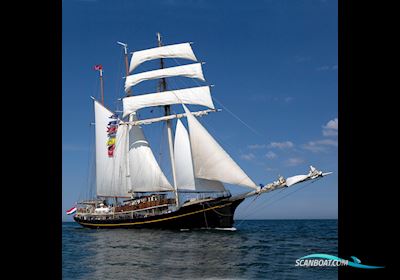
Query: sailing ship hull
[[210, 214]]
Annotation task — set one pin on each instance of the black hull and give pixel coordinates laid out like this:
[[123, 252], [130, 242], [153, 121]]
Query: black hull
[[212, 214]]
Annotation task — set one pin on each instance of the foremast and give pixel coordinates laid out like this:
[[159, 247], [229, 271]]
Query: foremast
[[167, 109]]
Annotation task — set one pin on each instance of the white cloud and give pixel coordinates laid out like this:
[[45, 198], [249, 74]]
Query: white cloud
[[320, 145], [270, 155], [281, 145], [300, 59], [249, 156], [331, 128], [327, 67], [294, 161], [256, 146]]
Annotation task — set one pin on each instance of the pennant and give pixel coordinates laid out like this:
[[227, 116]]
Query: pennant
[[98, 67]]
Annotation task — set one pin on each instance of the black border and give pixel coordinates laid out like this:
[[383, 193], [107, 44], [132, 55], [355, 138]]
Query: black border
[[367, 112], [364, 109], [35, 153]]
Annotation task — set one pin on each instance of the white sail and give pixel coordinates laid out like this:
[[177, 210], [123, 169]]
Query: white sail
[[110, 171], [185, 179], [296, 179], [210, 159], [190, 71], [145, 173], [172, 51], [197, 95]]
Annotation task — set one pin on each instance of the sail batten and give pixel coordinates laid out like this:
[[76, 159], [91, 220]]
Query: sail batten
[[210, 160], [196, 95], [183, 50], [190, 71]]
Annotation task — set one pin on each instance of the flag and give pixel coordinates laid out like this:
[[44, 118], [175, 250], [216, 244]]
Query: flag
[[115, 116], [71, 211], [111, 150], [111, 129], [112, 123], [112, 134], [98, 67], [111, 141]]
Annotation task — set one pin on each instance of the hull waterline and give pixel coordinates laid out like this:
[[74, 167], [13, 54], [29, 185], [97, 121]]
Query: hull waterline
[[211, 214]]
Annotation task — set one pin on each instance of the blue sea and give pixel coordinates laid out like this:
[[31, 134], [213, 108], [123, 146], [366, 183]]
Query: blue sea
[[261, 249]]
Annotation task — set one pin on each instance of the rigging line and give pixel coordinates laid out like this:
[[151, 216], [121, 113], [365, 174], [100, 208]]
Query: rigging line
[[248, 206], [300, 188], [236, 117], [225, 108], [208, 124], [90, 164]]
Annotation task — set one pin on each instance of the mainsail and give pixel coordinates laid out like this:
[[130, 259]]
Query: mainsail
[[114, 177], [110, 171], [172, 51], [210, 159], [185, 178]]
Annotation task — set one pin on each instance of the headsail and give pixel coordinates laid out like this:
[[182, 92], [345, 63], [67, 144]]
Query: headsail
[[196, 95], [190, 71], [210, 159], [184, 166], [172, 51]]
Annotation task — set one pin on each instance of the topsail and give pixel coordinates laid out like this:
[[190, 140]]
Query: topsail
[[173, 51]]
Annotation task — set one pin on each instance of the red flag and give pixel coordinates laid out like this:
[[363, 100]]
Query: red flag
[[98, 67], [111, 150], [112, 129]]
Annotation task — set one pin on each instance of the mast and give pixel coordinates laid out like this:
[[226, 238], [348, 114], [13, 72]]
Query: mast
[[125, 46], [99, 68], [101, 85], [129, 93], [163, 87]]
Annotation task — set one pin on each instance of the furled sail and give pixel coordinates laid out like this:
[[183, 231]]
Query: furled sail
[[145, 173], [196, 95], [190, 71], [210, 159], [172, 51], [185, 179], [296, 179], [110, 171]]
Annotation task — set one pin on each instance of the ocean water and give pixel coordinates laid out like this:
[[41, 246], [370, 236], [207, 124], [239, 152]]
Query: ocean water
[[265, 249]]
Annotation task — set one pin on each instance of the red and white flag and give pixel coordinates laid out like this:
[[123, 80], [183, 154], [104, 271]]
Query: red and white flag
[[98, 67], [71, 211]]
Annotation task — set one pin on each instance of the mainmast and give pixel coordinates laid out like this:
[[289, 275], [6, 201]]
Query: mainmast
[[129, 93], [125, 46], [162, 86]]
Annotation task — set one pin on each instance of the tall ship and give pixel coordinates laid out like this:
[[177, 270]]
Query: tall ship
[[132, 190]]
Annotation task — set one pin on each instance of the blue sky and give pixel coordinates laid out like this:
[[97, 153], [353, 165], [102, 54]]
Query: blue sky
[[274, 65]]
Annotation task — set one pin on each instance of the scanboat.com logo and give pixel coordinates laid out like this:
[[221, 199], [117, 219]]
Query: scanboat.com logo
[[329, 260]]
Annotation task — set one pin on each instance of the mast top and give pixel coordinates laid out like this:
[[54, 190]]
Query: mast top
[[159, 39], [124, 45]]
